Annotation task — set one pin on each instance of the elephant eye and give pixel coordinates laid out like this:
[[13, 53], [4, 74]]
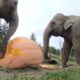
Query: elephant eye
[[53, 24]]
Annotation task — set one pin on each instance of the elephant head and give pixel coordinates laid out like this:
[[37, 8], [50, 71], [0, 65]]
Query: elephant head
[[57, 27]]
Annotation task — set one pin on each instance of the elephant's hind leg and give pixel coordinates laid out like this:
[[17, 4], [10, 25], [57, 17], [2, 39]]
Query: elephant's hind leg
[[76, 46], [77, 56], [76, 41]]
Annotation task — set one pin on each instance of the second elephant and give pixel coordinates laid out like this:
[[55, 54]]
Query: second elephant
[[67, 27]]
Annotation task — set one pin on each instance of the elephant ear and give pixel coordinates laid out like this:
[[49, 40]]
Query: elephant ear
[[68, 24]]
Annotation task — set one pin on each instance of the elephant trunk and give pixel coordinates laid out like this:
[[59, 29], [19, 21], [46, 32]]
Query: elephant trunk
[[46, 37]]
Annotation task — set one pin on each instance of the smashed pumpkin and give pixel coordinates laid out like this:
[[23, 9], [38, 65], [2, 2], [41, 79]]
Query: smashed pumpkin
[[22, 52]]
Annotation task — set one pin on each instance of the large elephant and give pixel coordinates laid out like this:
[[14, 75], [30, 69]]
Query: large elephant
[[67, 27], [8, 12]]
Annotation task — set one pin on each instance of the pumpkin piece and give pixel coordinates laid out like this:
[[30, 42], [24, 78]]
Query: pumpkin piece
[[48, 66]]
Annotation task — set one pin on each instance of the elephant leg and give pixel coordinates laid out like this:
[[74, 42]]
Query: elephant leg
[[76, 46], [77, 56], [65, 53]]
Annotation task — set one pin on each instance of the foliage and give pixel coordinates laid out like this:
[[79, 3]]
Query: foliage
[[3, 28], [40, 47], [33, 37], [54, 50]]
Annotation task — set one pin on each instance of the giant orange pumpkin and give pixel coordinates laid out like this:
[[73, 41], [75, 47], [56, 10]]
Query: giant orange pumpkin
[[22, 52]]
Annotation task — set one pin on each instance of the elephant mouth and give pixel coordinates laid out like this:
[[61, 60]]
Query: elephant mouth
[[54, 33]]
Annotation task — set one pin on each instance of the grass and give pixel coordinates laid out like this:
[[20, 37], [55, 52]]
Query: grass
[[69, 74]]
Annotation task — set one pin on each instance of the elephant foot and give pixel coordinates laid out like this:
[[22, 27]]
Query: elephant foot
[[46, 57], [69, 65], [64, 66]]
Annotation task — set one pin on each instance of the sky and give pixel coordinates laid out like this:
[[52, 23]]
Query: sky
[[34, 16]]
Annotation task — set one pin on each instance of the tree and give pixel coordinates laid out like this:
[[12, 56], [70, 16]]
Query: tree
[[58, 51], [3, 28], [33, 37], [52, 50]]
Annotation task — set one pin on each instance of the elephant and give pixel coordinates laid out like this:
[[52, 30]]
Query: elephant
[[67, 27], [8, 12]]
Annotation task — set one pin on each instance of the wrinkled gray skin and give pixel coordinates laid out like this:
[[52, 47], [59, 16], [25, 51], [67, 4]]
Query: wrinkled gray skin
[[8, 11], [67, 27]]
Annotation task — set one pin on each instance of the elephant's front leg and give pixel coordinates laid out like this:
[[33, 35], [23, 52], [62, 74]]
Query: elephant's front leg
[[65, 53]]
